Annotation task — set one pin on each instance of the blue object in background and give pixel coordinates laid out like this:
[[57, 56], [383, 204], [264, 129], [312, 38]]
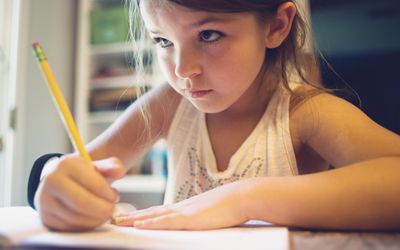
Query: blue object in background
[[361, 41], [158, 156]]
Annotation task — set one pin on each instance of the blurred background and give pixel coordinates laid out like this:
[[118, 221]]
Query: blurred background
[[361, 41], [86, 44]]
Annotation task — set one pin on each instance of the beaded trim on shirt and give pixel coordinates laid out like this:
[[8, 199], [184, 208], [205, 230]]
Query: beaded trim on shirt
[[194, 186]]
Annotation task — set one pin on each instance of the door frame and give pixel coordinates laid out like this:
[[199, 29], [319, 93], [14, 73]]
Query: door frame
[[12, 98]]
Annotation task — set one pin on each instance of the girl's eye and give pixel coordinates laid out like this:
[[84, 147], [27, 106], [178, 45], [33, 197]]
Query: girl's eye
[[164, 43], [210, 35]]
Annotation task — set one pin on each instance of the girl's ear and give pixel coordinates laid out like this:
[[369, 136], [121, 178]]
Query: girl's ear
[[279, 26]]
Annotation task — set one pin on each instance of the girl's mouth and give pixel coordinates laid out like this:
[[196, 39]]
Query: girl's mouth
[[199, 93]]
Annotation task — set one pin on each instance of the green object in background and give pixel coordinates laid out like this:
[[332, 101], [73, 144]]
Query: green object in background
[[109, 25]]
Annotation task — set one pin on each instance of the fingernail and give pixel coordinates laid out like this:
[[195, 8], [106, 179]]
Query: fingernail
[[138, 223], [117, 219]]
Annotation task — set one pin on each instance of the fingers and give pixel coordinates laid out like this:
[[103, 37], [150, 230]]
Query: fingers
[[210, 210], [129, 218], [164, 222], [59, 223], [55, 222], [158, 217], [57, 217], [77, 198], [111, 168], [88, 177], [161, 220]]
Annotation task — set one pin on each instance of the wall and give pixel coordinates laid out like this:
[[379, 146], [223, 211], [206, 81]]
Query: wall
[[39, 129], [361, 41], [357, 27]]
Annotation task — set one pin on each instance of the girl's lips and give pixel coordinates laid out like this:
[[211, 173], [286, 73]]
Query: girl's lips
[[199, 93]]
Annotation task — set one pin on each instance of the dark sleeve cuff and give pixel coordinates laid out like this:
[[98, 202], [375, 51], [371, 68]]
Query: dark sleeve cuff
[[34, 177]]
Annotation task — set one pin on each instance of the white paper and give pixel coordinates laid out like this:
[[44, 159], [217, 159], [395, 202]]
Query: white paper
[[22, 227]]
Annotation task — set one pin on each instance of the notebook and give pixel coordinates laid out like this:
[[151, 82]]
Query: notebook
[[21, 227]]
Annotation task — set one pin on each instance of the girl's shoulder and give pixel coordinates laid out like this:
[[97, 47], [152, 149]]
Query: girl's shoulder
[[303, 120], [307, 106], [337, 130], [302, 92]]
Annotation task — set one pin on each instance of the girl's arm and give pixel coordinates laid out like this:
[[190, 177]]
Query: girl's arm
[[75, 196], [363, 194], [341, 133], [135, 132]]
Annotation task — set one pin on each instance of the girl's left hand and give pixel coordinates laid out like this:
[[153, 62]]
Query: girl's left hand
[[218, 208]]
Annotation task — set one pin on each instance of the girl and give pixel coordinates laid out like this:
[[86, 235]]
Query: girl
[[244, 140]]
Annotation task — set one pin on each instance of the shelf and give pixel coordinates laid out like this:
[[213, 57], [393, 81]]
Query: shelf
[[125, 81], [140, 184], [116, 62], [115, 48], [112, 82]]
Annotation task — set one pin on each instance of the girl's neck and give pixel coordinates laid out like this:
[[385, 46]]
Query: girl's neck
[[252, 103]]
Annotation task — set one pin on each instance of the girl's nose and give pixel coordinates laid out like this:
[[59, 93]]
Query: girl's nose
[[187, 64]]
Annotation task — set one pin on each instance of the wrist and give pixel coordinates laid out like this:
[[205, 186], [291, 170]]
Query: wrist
[[244, 198], [36, 175], [49, 166], [253, 196]]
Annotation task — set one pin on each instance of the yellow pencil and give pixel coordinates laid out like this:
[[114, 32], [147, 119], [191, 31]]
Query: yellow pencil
[[60, 103]]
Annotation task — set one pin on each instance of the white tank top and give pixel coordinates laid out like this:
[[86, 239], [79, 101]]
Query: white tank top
[[192, 168]]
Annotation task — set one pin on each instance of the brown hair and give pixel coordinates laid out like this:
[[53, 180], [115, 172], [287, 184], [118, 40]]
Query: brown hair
[[282, 62]]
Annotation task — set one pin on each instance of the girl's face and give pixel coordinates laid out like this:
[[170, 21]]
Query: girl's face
[[212, 59]]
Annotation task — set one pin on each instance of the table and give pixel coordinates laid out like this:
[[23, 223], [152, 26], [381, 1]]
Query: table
[[298, 239], [310, 240], [324, 240]]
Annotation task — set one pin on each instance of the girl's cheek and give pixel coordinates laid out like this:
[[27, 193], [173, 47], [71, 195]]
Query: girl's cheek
[[178, 90], [168, 71], [165, 65]]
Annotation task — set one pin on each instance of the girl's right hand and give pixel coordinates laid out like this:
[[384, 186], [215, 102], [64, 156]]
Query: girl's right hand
[[75, 196]]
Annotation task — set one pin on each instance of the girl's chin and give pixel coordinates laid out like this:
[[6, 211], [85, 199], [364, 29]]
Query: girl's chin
[[208, 107]]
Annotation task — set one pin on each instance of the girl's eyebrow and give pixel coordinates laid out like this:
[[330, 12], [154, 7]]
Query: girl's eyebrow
[[209, 19]]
